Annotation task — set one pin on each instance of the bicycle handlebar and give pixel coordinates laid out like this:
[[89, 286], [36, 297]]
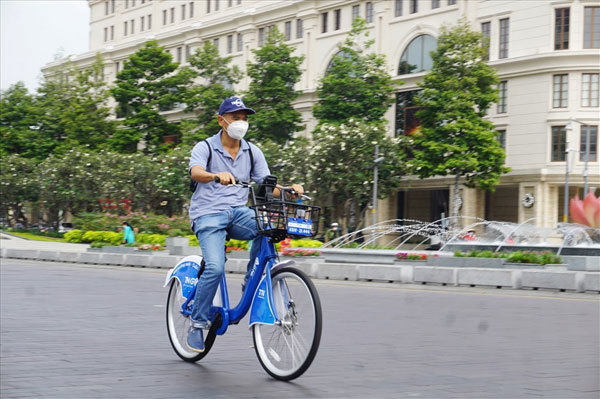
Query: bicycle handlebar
[[239, 183]]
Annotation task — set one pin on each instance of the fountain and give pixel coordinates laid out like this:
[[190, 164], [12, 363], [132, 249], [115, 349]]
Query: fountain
[[477, 233]]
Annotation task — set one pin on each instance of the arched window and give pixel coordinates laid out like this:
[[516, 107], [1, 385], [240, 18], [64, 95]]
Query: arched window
[[342, 54], [416, 57]]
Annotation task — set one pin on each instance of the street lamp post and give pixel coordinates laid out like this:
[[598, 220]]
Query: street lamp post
[[376, 161], [569, 128]]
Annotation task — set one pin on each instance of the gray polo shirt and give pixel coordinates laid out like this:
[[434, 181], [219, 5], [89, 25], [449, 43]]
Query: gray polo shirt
[[214, 197]]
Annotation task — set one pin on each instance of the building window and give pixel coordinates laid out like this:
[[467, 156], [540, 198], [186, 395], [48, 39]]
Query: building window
[[132, 27], [229, 44], [435, 4], [288, 30], [216, 5], [106, 34], [112, 6], [112, 32], [299, 29], [230, 3], [149, 21], [414, 6], [486, 32], [191, 9], [106, 8], [398, 8], [132, 3], [502, 98], [416, 57], [560, 91], [501, 137], [559, 143], [141, 24], [503, 38], [187, 52], [261, 36], [337, 19], [561, 29], [355, 12], [179, 54], [216, 43], [239, 2], [451, 2], [591, 29], [240, 43], [589, 90], [164, 17], [324, 22], [172, 14], [126, 3], [125, 28], [117, 64], [208, 6], [406, 109], [182, 12], [369, 12], [591, 133]]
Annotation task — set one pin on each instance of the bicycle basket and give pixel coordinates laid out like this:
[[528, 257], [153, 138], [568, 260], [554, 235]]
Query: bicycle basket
[[280, 219]]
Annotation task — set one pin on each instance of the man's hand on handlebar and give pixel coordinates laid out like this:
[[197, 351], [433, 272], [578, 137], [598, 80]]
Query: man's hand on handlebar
[[225, 178], [298, 190]]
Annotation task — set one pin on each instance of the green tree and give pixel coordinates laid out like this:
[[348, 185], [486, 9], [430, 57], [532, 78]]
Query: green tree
[[217, 78], [19, 186], [18, 122], [356, 84], [274, 73], [341, 167], [148, 84], [455, 139]]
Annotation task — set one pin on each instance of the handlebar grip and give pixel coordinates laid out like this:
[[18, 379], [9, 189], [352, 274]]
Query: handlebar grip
[[217, 180]]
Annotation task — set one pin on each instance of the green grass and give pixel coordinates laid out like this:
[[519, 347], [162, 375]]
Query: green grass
[[30, 236]]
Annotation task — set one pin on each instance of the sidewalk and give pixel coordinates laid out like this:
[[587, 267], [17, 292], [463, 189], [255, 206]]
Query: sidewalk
[[13, 242]]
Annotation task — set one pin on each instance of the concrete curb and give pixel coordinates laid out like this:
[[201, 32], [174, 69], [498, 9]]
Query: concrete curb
[[578, 281]]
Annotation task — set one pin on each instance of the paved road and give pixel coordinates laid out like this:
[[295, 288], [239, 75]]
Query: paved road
[[76, 331]]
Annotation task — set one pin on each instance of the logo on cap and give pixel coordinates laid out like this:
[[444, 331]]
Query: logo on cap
[[238, 102]]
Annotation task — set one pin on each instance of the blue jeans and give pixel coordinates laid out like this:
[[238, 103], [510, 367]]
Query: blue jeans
[[211, 230]]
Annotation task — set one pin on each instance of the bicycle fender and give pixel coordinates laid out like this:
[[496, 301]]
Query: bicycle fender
[[261, 311], [186, 272]]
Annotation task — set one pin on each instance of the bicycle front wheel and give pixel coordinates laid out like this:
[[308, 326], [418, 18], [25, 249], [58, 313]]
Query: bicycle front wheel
[[286, 350], [178, 326]]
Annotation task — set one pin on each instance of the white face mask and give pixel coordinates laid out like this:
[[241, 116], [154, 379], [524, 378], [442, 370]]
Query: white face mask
[[237, 129]]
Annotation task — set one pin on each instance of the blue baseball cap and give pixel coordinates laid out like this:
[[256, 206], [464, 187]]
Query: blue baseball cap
[[233, 104]]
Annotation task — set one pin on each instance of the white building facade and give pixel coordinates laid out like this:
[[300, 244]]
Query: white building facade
[[547, 54]]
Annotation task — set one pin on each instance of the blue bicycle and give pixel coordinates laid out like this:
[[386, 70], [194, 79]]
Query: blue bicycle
[[285, 310]]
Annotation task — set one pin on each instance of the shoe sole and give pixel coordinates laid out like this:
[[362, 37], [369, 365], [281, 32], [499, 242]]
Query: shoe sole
[[194, 349]]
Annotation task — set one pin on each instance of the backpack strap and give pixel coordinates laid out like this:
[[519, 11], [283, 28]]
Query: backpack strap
[[194, 183], [251, 158]]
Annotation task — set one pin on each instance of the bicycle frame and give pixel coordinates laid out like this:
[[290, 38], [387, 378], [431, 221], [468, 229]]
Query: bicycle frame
[[258, 294], [257, 297]]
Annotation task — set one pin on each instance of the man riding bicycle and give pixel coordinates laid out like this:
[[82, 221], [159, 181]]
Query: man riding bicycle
[[217, 211]]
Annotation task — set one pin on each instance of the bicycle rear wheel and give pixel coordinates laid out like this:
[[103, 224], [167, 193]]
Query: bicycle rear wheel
[[286, 350], [178, 326]]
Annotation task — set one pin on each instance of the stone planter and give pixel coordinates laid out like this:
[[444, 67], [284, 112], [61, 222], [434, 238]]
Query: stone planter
[[453, 261], [380, 257], [177, 242], [113, 249]]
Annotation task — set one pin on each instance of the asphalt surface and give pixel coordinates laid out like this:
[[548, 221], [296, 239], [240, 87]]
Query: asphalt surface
[[83, 331]]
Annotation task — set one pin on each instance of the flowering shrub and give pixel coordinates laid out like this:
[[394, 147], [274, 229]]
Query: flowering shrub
[[151, 247], [300, 252], [144, 222], [407, 256], [541, 258]]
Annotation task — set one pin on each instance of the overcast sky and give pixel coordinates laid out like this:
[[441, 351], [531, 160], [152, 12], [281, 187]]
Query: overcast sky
[[33, 31]]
